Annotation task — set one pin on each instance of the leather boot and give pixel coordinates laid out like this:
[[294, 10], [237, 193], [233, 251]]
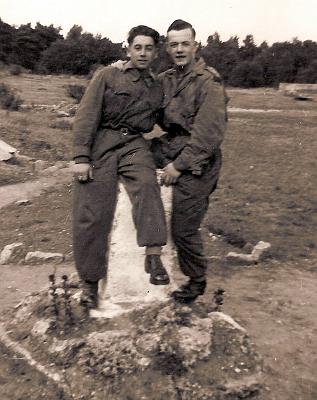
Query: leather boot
[[158, 274], [190, 291], [89, 295]]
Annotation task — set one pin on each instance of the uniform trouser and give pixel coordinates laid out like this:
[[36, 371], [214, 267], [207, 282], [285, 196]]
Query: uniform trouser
[[189, 206], [94, 205]]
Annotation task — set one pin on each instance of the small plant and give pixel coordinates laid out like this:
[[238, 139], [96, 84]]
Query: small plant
[[218, 298], [76, 91], [8, 98]]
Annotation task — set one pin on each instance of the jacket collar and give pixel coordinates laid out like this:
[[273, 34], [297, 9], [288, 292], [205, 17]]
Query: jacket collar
[[147, 75], [194, 69]]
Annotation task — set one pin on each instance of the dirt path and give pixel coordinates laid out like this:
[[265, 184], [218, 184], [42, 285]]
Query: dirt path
[[11, 193], [26, 190]]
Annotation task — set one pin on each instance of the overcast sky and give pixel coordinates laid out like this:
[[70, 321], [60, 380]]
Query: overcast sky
[[270, 20]]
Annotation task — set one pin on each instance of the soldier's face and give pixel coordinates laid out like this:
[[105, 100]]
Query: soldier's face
[[181, 46], [142, 51]]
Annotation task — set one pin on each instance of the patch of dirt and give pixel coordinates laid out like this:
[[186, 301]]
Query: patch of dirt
[[37, 228], [12, 172], [30, 133], [19, 381]]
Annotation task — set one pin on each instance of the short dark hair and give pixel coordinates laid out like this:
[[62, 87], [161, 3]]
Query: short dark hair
[[179, 25], [143, 30]]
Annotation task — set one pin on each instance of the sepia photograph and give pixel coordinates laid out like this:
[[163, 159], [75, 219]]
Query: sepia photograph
[[158, 200]]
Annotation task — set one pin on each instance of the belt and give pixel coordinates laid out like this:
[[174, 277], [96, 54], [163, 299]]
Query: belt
[[125, 131]]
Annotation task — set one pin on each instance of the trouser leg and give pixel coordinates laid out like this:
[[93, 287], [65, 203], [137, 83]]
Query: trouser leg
[[137, 171], [93, 210], [189, 205]]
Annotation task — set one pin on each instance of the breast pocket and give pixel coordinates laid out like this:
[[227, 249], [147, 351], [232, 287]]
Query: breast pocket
[[115, 101]]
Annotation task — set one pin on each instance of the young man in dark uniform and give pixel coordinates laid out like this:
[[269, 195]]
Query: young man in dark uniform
[[194, 117], [118, 106]]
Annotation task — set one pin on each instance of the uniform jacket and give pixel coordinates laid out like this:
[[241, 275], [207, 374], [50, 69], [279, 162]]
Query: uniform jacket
[[194, 117], [117, 107]]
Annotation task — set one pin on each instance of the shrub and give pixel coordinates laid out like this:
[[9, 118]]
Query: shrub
[[8, 99], [247, 74], [76, 91], [15, 69]]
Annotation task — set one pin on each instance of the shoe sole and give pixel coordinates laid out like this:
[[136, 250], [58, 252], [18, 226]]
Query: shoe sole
[[160, 281], [153, 280], [185, 300]]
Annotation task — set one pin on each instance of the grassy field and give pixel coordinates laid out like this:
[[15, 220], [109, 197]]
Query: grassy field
[[267, 191]]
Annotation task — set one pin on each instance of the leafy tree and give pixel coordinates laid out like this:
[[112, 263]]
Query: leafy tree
[[308, 74], [29, 43], [249, 50], [74, 33], [247, 74], [78, 52], [6, 38]]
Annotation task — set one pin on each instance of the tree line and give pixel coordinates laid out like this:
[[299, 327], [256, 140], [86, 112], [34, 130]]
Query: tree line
[[43, 49]]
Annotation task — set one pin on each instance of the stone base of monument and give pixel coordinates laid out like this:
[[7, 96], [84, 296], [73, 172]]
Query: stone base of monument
[[163, 351], [127, 285]]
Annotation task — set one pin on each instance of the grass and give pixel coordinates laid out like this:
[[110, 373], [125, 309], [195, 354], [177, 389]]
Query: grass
[[267, 189]]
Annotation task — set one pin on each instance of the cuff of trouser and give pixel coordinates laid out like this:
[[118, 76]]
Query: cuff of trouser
[[153, 251]]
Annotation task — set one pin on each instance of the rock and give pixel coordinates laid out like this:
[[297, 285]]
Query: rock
[[239, 259], [62, 114], [12, 253], [23, 160], [39, 257], [40, 165], [207, 353], [259, 249], [41, 327], [49, 171], [242, 259], [6, 151], [61, 164], [23, 202]]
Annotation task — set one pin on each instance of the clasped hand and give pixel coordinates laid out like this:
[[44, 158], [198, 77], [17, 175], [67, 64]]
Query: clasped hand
[[83, 172], [170, 175]]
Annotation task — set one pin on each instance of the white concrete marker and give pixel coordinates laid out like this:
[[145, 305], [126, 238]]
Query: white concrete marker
[[127, 286]]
